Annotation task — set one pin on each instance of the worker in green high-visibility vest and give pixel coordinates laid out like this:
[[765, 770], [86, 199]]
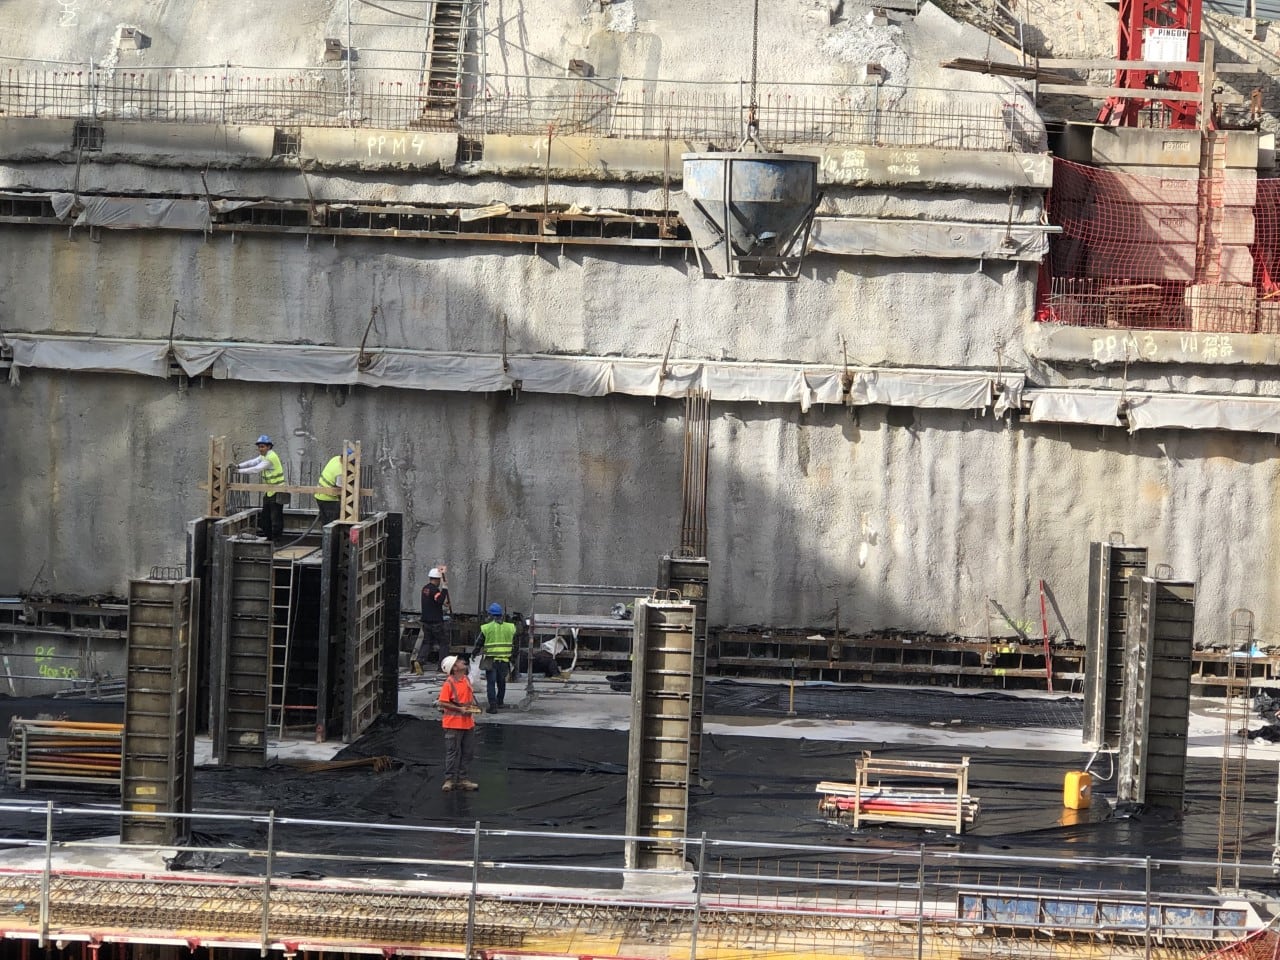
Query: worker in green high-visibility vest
[[497, 640], [271, 512], [330, 476]]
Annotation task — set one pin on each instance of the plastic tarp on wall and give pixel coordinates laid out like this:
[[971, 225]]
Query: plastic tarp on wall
[[865, 237], [1156, 411], [727, 381], [946, 389], [128, 213], [1251, 414], [484, 373], [1076, 406]]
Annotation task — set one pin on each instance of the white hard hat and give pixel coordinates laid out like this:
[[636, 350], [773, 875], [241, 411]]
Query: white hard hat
[[447, 664], [433, 573]]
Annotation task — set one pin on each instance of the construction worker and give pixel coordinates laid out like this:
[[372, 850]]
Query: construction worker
[[458, 701], [497, 640], [330, 476], [436, 612], [271, 511]]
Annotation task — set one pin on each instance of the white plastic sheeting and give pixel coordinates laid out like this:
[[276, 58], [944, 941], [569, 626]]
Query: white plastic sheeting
[[867, 237], [950, 390], [727, 381], [1202, 412], [129, 213], [1144, 410], [1101, 409]]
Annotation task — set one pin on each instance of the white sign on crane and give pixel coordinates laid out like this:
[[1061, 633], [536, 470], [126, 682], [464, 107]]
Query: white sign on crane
[[1165, 44]]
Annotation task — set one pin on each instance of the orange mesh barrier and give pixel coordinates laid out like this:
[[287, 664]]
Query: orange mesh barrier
[[1162, 253]]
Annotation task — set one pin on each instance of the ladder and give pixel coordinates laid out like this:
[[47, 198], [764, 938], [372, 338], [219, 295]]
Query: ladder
[[1234, 785], [446, 47], [282, 606]]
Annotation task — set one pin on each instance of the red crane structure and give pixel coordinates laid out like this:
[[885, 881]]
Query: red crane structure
[[1160, 20]]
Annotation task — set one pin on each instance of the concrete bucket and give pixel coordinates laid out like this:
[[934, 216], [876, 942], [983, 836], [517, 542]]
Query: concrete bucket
[[762, 203]]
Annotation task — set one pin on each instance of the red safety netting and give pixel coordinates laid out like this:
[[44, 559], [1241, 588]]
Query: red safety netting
[[1162, 253]]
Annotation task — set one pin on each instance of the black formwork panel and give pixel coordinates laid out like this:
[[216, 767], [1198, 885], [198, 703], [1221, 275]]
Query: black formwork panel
[[1110, 567], [159, 734], [332, 654], [658, 771], [215, 610], [366, 614], [240, 735], [1158, 666], [390, 702], [691, 576], [198, 568]]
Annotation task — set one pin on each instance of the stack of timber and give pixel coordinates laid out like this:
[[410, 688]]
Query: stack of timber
[[869, 800], [63, 751]]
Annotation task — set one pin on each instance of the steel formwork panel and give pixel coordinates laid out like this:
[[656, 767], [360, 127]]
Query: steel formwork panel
[[240, 737], [1110, 566], [1158, 667], [658, 761], [365, 613], [215, 601], [199, 532], [390, 703], [331, 677], [692, 577], [156, 755]]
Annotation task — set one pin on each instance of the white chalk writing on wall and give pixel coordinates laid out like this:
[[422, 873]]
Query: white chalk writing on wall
[[1131, 346], [70, 12], [396, 146], [846, 166]]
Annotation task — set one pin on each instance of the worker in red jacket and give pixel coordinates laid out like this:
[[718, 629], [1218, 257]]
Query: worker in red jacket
[[458, 701]]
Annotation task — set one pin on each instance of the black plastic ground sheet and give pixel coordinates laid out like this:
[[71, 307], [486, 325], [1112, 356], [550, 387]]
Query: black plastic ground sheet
[[751, 789]]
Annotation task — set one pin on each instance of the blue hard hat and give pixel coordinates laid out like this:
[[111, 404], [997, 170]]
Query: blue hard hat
[[495, 609], [264, 439], [350, 452]]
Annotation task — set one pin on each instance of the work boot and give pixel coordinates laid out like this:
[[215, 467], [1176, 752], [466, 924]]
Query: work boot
[[448, 785], [468, 785], [493, 708], [416, 668]]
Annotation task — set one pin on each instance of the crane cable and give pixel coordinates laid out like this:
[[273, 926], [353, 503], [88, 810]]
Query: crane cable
[[753, 123], [755, 52]]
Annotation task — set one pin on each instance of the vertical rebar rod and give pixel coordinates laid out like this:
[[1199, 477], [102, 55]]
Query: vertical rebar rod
[[266, 881], [347, 58], [475, 884], [47, 878], [697, 896]]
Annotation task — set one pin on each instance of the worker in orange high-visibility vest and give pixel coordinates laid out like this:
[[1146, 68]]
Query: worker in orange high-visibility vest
[[458, 701]]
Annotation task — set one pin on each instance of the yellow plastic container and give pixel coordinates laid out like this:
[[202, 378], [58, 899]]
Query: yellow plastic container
[[1077, 790]]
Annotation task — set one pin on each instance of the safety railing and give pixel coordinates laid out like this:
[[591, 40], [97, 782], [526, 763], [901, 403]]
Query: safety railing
[[710, 113], [818, 896]]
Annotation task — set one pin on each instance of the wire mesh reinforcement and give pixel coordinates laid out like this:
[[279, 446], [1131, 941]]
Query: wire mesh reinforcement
[[711, 113], [1163, 253]]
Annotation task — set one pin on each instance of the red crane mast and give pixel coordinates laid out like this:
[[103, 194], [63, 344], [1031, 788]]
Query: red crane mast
[[1136, 18]]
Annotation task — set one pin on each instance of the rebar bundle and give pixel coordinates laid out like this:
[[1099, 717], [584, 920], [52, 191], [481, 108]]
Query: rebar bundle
[[693, 516], [64, 751]]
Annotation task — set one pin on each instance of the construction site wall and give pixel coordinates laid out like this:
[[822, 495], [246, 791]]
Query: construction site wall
[[900, 517]]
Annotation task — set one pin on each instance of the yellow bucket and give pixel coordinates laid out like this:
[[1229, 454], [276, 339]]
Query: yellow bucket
[[1077, 790]]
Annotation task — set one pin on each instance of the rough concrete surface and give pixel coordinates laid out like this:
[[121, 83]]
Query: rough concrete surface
[[904, 518]]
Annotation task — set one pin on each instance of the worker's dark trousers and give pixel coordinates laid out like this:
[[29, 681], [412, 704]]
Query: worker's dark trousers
[[328, 511], [495, 673], [433, 643], [459, 748], [271, 517]]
